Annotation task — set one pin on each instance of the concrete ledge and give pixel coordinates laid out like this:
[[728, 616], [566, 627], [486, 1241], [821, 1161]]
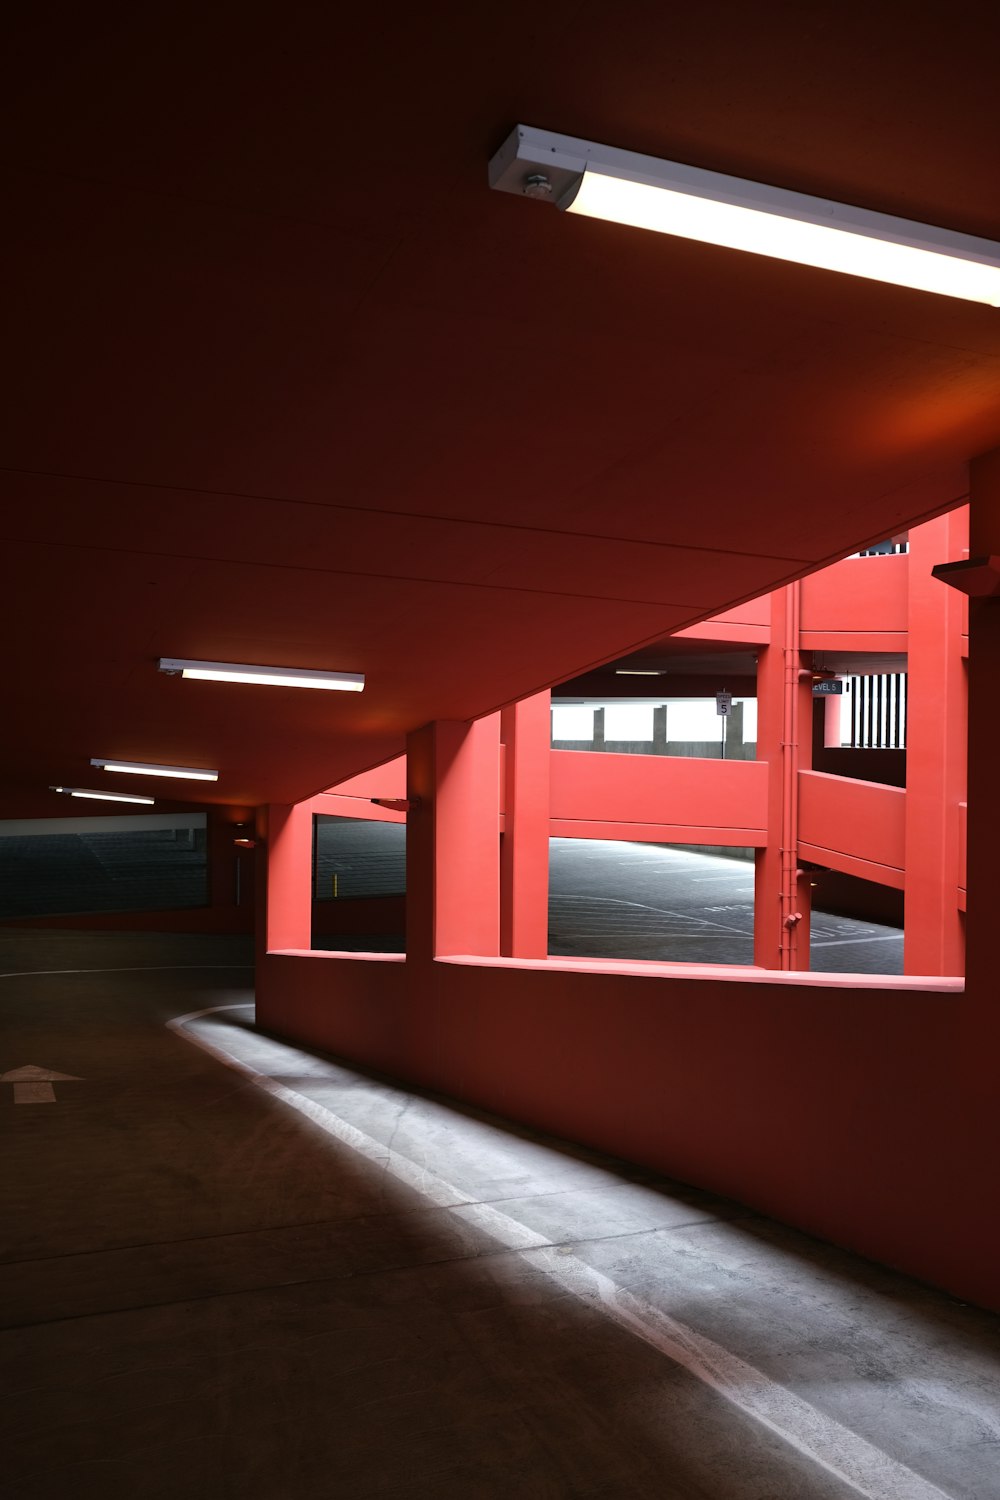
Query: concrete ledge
[[728, 973], [643, 969]]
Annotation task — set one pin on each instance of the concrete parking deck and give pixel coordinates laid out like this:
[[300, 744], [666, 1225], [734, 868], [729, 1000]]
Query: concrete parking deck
[[234, 1268]]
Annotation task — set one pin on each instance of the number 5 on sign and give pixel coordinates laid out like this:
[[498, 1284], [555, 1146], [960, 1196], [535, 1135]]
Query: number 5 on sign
[[723, 704]]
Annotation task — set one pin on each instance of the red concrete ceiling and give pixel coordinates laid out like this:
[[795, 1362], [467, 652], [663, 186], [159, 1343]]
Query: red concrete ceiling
[[289, 384]]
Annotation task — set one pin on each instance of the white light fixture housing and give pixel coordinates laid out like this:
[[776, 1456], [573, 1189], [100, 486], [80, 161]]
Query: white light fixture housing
[[94, 796], [140, 768], [606, 183], [233, 671], [638, 672]]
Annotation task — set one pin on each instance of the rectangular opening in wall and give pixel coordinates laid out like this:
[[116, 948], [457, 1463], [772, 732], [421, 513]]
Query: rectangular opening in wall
[[666, 903], [856, 927], [359, 885], [860, 716], [874, 711], [82, 866], [690, 726]]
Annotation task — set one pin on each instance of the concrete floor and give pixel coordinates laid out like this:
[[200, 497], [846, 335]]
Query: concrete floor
[[612, 899], [231, 1268]]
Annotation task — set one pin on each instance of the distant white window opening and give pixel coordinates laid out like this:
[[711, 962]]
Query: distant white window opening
[[632, 722], [693, 721], [572, 722]]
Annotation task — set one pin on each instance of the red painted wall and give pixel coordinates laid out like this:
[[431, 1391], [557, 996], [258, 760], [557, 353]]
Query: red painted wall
[[832, 1106], [863, 598], [658, 797], [388, 780], [860, 1110], [749, 622], [856, 826]]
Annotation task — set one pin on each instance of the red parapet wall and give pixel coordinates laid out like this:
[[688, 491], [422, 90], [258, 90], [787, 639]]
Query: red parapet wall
[[654, 1068], [859, 604], [749, 623], [388, 780], [658, 797], [855, 826], [328, 805]]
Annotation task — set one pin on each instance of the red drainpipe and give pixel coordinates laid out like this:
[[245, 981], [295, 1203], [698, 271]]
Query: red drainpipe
[[790, 914]]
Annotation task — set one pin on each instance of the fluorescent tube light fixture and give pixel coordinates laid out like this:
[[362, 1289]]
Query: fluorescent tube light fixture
[[140, 768], [83, 791], [638, 672], [233, 671], [606, 183]]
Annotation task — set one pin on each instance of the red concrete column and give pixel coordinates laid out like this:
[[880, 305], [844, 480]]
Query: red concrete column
[[288, 898], [784, 740], [453, 840], [221, 860], [984, 740], [767, 864], [524, 862], [934, 940]]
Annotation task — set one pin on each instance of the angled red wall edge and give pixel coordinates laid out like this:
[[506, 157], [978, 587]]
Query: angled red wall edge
[[859, 1110]]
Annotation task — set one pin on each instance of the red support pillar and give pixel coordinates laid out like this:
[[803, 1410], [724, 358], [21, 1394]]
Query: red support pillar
[[452, 840], [984, 740], [934, 939], [784, 740], [524, 863], [767, 864], [288, 840]]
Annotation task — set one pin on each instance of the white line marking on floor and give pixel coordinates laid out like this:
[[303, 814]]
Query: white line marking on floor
[[663, 911], [891, 937], [33, 1085], [134, 969], [869, 1471]]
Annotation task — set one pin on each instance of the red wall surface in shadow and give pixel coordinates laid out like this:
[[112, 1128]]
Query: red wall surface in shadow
[[829, 1105], [860, 1110], [360, 914]]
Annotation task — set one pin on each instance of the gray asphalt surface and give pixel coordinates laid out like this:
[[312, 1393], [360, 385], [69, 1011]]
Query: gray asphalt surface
[[611, 899], [614, 899], [233, 1267]]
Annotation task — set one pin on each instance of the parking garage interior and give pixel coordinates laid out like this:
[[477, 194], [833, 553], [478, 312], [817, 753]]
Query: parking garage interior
[[498, 783]]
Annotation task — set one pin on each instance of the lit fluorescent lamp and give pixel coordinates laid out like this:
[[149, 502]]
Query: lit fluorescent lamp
[[82, 791], [637, 672], [232, 671], [605, 183], [139, 768]]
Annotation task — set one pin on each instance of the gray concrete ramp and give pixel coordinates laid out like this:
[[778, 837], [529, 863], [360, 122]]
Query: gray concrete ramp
[[231, 1267]]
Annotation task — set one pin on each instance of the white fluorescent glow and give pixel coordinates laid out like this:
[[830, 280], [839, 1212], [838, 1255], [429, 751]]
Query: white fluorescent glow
[[636, 672], [766, 233], [140, 768], [82, 791], [646, 192], [228, 671]]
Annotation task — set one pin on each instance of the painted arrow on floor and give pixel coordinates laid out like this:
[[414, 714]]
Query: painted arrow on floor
[[33, 1085]]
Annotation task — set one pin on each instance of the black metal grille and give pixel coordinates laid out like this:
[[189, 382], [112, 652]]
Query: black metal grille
[[878, 711]]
